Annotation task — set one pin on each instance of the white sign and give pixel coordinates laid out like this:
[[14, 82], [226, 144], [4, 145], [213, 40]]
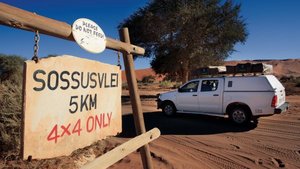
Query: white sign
[[69, 103], [89, 35]]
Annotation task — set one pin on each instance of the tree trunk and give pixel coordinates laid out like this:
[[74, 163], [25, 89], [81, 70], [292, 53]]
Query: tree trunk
[[185, 75], [184, 71]]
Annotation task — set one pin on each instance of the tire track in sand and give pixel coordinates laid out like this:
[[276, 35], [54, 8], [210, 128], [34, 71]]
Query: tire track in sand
[[219, 160]]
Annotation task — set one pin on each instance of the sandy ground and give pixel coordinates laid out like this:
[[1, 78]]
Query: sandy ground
[[195, 141]]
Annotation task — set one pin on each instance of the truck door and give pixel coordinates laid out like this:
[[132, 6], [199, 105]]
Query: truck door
[[210, 96], [187, 97]]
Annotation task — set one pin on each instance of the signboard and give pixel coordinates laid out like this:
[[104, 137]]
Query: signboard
[[68, 104], [89, 35]]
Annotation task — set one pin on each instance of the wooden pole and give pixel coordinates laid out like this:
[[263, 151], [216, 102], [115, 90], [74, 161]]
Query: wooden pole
[[123, 150], [135, 99], [21, 19]]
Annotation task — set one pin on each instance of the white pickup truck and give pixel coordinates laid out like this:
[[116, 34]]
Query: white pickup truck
[[241, 98]]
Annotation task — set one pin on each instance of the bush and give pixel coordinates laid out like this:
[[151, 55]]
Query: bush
[[11, 78], [125, 86], [297, 81], [10, 116], [177, 85], [148, 79], [166, 84], [11, 68]]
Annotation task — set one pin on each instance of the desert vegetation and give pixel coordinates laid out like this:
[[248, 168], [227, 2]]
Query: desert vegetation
[[291, 84], [11, 68]]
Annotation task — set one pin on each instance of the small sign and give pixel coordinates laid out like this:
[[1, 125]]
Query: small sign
[[69, 103], [89, 35]]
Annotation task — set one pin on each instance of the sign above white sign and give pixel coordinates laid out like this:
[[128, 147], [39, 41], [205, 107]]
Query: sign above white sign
[[89, 35]]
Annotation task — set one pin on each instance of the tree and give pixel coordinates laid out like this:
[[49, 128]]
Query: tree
[[183, 35]]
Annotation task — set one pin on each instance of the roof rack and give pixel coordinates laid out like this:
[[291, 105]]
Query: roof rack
[[239, 69]]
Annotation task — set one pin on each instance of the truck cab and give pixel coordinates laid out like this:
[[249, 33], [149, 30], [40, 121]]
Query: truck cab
[[201, 95]]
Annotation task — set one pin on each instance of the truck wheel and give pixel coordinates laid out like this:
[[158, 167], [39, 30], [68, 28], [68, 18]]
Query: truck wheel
[[255, 120], [239, 116], [169, 109]]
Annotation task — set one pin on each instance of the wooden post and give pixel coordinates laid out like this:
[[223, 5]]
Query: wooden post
[[123, 150], [135, 99]]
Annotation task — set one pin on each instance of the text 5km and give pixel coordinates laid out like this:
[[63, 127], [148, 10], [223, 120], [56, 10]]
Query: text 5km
[[83, 103]]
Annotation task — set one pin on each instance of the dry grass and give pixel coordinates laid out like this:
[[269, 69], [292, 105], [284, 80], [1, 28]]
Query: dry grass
[[10, 102]]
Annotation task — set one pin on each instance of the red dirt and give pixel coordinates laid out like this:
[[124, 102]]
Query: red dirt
[[142, 73]]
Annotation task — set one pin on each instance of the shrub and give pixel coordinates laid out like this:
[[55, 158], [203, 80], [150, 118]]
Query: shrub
[[10, 116], [11, 68], [11, 78], [297, 81], [166, 84], [125, 86], [177, 85], [148, 79]]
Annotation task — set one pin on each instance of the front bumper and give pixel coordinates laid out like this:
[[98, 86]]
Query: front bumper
[[159, 104], [282, 108]]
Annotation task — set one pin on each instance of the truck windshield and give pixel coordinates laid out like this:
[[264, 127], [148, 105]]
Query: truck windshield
[[190, 87]]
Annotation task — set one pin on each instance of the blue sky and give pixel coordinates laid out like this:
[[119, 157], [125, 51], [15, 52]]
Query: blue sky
[[274, 30], [273, 26]]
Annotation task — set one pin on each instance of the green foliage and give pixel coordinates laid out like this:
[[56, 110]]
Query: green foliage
[[184, 35], [166, 84], [177, 85], [10, 101], [148, 79]]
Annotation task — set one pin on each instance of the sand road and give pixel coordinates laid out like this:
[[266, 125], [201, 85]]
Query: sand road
[[195, 141]]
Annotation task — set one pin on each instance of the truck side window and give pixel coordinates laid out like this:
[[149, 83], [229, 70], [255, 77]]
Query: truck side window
[[190, 87], [209, 85]]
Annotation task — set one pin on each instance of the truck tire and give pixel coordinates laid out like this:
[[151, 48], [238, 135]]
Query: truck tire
[[239, 115], [169, 109]]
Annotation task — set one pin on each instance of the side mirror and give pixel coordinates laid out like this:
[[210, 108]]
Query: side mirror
[[179, 90]]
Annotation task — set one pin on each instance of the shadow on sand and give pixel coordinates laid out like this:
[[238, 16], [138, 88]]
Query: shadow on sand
[[183, 124]]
